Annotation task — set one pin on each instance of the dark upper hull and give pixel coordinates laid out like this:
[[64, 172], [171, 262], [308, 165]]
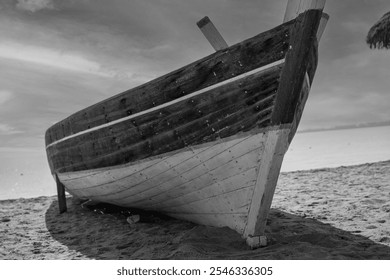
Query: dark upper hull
[[136, 124]]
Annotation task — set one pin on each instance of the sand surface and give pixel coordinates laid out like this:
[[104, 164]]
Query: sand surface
[[338, 213]]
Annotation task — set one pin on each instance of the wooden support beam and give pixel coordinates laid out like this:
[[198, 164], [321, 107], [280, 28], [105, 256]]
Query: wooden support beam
[[321, 28], [275, 146], [296, 7], [212, 34], [61, 195]]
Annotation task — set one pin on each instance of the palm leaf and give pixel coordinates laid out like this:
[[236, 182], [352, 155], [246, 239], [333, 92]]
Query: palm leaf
[[379, 35]]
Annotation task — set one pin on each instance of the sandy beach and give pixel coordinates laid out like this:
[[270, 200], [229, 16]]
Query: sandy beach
[[337, 213]]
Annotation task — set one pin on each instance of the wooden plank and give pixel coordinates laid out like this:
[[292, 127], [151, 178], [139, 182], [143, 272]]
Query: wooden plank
[[185, 171], [178, 186], [236, 201], [300, 106], [195, 98], [270, 162], [298, 59], [218, 114], [97, 177], [225, 96], [126, 176], [199, 180], [233, 160], [212, 34], [322, 26], [193, 133], [200, 74], [245, 179], [61, 195], [178, 164], [296, 7], [127, 192]]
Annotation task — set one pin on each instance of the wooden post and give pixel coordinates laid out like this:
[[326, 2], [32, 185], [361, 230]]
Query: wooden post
[[296, 7], [61, 195], [275, 146], [212, 34], [321, 28]]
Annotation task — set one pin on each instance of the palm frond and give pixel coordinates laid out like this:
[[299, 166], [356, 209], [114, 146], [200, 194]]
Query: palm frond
[[379, 34]]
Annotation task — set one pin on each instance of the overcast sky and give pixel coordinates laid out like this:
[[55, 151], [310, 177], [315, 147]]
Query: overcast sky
[[59, 56]]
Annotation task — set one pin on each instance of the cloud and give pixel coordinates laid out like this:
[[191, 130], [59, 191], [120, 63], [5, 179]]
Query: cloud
[[5, 95], [34, 5], [5, 129], [50, 57], [87, 50]]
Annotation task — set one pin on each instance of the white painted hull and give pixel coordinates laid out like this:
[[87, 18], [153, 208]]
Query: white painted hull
[[218, 184]]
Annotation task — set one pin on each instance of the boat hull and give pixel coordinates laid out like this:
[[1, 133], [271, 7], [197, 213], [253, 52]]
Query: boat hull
[[211, 184], [204, 143]]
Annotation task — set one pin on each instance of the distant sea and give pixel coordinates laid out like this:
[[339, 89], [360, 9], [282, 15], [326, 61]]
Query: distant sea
[[25, 173], [333, 148]]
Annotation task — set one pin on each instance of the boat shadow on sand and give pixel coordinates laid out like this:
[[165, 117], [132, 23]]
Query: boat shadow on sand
[[110, 236]]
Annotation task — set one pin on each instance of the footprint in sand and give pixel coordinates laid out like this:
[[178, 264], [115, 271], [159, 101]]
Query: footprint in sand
[[371, 227]]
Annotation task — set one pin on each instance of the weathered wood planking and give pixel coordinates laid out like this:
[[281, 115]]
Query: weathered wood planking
[[155, 133], [229, 184], [234, 202], [217, 114], [101, 182], [296, 66], [196, 178], [102, 179], [259, 51], [218, 181], [227, 190], [184, 167], [300, 106], [155, 173]]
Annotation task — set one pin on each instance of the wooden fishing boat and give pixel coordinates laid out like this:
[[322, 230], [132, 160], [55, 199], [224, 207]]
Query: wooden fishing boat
[[204, 143]]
